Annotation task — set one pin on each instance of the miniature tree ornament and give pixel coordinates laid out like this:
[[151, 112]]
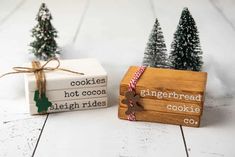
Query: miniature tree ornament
[[186, 53], [155, 52], [44, 46]]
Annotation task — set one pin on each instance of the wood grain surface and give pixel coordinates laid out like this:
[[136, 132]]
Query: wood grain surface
[[161, 106], [162, 117], [168, 106], [167, 80]]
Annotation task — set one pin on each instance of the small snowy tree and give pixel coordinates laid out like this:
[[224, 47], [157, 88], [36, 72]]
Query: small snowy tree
[[44, 46], [155, 52], [186, 53]]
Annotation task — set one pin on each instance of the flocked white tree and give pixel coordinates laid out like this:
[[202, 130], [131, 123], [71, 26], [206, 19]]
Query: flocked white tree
[[155, 52], [44, 46]]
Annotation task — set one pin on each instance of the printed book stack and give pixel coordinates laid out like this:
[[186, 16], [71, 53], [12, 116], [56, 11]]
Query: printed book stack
[[68, 91], [167, 96]]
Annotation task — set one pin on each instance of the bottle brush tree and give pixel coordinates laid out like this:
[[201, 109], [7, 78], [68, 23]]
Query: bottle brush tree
[[186, 53], [44, 46], [155, 52]]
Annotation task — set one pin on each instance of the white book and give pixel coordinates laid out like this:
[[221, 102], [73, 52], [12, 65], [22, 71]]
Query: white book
[[94, 75], [73, 105], [71, 94]]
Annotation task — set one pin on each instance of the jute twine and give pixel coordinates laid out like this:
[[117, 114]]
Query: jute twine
[[39, 72]]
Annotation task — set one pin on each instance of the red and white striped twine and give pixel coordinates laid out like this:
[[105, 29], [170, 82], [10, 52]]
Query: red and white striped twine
[[132, 87]]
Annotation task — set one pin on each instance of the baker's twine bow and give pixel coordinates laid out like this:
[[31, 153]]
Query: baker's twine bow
[[39, 70], [132, 105]]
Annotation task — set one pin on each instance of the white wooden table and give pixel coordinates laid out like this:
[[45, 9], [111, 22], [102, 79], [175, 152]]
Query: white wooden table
[[115, 32]]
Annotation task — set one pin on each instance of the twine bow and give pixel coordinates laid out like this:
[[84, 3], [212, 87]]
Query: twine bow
[[131, 98], [39, 72]]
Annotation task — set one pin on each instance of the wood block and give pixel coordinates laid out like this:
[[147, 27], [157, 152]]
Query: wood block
[[163, 117], [167, 96], [168, 84], [73, 105], [94, 75], [168, 106]]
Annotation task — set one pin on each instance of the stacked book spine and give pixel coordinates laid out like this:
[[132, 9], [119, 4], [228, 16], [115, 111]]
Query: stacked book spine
[[71, 92], [167, 96]]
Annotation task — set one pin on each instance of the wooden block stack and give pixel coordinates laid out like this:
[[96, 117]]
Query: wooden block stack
[[69, 91], [167, 96]]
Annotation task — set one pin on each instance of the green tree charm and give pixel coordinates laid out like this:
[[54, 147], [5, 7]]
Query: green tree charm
[[186, 53], [42, 103], [44, 46], [155, 52]]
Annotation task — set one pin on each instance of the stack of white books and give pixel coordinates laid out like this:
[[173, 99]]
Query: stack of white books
[[68, 91]]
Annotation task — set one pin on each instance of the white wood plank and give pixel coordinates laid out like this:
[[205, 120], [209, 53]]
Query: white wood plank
[[226, 7], [100, 133], [215, 138], [18, 138], [115, 32], [13, 110], [67, 16], [19, 130], [8, 8]]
